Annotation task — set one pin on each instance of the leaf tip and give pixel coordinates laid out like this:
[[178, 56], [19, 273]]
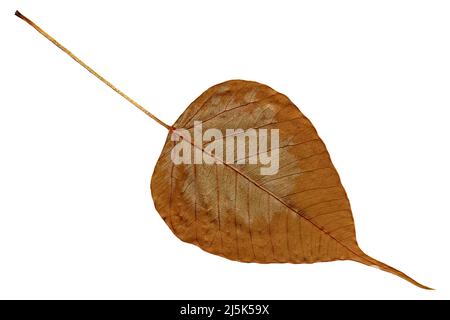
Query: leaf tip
[[424, 287], [367, 260]]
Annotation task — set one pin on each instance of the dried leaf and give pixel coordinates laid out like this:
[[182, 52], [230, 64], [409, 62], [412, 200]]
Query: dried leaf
[[299, 215]]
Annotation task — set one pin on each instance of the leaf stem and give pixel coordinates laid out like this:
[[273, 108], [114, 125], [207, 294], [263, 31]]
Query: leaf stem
[[92, 71]]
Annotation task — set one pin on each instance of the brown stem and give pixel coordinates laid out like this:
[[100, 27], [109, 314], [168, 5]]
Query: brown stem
[[92, 71]]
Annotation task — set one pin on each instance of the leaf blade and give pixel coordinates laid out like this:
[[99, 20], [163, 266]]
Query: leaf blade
[[306, 192]]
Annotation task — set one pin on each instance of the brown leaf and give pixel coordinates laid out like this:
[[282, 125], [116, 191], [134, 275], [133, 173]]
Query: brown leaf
[[299, 215]]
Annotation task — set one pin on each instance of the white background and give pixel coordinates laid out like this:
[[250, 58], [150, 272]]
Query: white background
[[76, 216]]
